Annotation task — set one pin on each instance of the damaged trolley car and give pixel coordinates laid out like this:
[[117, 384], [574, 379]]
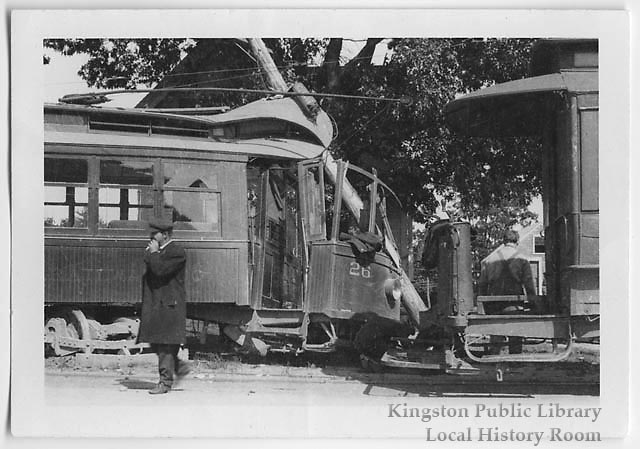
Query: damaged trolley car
[[258, 204]]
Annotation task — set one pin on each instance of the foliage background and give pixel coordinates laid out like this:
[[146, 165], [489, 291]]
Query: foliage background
[[489, 182]]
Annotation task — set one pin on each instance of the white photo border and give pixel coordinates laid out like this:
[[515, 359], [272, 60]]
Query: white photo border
[[35, 418]]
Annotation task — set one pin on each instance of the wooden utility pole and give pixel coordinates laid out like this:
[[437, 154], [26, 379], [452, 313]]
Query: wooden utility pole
[[410, 298], [265, 61]]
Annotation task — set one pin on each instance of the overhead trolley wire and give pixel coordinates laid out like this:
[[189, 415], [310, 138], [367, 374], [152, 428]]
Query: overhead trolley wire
[[95, 95]]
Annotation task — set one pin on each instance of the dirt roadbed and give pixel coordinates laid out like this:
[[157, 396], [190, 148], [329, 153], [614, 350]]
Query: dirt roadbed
[[579, 375]]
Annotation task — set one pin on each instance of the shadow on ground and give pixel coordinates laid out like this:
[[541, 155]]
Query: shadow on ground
[[579, 378], [522, 380], [136, 384]]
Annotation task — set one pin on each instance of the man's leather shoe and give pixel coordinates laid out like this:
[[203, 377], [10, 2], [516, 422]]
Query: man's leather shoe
[[160, 389]]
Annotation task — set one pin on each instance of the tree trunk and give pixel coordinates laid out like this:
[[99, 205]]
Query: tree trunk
[[331, 64]]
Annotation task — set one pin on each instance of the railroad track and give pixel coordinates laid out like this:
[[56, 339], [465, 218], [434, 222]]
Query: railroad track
[[520, 379], [579, 376], [576, 379]]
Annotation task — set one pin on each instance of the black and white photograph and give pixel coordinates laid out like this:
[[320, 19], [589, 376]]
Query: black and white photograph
[[281, 224]]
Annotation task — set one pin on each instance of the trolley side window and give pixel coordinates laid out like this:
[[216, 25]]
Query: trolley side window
[[66, 193], [191, 196], [125, 194]]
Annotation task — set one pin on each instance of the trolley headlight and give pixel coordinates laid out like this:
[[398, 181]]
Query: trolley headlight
[[393, 291]]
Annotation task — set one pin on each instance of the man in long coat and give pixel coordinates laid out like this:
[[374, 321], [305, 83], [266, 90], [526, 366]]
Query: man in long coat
[[163, 303]]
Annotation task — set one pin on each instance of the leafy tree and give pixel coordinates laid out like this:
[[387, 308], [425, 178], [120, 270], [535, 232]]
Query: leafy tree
[[489, 181], [137, 61]]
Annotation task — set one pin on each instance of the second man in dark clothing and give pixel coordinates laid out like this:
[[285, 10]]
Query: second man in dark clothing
[[506, 272]]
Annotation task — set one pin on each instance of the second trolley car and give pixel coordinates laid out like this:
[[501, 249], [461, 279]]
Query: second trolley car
[[559, 103]]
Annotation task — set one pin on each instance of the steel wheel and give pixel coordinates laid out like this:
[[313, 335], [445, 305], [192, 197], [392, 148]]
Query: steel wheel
[[78, 327], [57, 327]]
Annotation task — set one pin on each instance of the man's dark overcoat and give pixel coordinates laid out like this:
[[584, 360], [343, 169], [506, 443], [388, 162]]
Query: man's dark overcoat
[[506, 272], [163, 299]]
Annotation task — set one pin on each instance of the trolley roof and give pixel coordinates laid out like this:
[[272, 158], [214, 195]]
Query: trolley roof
[[285, 109], [271, 148], [260, 121], [514, 108]]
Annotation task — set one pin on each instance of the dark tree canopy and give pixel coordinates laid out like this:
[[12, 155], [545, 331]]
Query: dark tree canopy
[[490, 181]]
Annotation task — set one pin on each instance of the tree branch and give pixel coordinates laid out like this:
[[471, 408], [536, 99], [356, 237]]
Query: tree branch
[[366, 53], [331, 65]]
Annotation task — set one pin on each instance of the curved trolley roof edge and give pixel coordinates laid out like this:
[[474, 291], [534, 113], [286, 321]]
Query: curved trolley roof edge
[[285, 109], [513, 108], [274, 148], [280, 109]]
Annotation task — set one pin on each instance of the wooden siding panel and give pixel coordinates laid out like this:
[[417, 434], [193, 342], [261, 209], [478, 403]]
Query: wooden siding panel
[[589, 239], [92, 275], [217, 275], [589, 160], [234, 201], [581, 286], [319, 293], [342, 286], [110, 272]]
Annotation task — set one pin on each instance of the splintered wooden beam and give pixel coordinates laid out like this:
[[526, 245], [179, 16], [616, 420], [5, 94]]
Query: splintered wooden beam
[[349, 195]]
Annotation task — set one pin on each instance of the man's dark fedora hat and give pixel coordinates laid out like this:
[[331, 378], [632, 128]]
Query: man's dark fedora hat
[[160, 224]]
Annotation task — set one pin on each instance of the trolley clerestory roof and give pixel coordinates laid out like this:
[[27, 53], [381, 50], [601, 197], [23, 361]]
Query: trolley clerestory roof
[[514, 108], [261, 116], [269, 148], [285, 109]]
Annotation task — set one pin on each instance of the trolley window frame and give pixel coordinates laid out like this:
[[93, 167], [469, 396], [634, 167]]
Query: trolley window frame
[[143, 228], [81, 231], [157, 156], [186, 234]]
